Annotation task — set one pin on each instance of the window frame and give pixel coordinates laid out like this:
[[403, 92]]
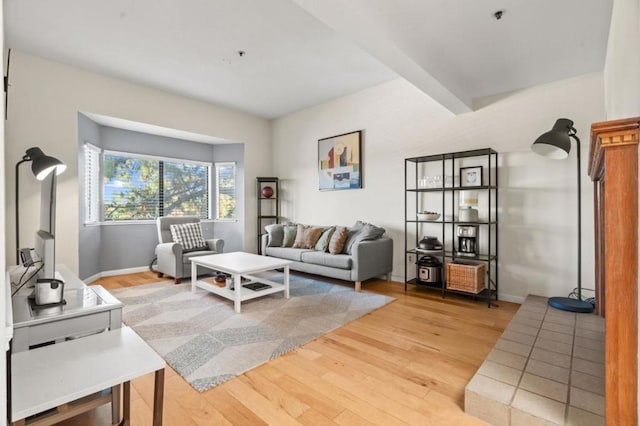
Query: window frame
[[217, 166], [100, 201]]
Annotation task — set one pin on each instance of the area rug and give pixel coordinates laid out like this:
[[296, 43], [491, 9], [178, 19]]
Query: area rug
[[207, 343]]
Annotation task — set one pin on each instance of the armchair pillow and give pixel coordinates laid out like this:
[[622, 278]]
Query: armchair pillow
[[189, 236]]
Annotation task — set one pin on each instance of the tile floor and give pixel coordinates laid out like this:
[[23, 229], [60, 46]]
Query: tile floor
[[547, 368]]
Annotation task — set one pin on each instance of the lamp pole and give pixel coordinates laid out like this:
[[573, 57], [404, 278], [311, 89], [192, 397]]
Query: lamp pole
[[24, 160], [574, 136]]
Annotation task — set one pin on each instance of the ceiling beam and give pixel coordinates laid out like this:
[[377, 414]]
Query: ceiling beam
[[347, 19]]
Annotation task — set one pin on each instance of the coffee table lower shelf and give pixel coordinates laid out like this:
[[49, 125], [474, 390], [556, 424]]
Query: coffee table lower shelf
[[245, 293], [240, 266]]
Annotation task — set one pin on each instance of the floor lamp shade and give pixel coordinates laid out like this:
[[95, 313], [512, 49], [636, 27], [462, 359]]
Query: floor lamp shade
[[42, 164], [556, 144]]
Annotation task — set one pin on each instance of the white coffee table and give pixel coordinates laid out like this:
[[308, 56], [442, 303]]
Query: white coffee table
[[239, 265]]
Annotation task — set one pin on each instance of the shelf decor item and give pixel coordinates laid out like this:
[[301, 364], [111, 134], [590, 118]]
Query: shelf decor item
[[471, 176], [556, 144], [467, 212], [267, 192], [465, 277], [339, 162], [428, 215]]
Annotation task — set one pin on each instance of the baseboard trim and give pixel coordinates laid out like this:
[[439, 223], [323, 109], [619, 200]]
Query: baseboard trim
[[510, 298], [113, 272]]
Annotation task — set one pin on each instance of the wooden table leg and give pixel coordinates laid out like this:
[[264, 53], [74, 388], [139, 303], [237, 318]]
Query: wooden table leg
[[158, 396], [126, 403]]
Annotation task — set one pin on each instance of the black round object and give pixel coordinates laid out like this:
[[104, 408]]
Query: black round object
[[571, 305], [430, 243], [429, 261]]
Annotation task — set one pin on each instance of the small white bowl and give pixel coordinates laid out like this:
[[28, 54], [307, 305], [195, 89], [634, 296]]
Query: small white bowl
[[428, 216]]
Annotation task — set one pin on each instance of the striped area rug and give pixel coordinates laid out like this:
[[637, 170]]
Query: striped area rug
[[207, 343]]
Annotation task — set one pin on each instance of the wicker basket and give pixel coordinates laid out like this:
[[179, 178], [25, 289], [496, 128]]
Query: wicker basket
[[465, 277]]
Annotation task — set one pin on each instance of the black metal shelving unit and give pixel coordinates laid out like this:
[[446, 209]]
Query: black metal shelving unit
[[268, 207], [448, 165]]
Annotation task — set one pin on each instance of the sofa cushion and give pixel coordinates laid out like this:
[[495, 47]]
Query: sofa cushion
[[307, 236], [276, 234], [353, 232], [188, 235], [368, 232], [286, 253], [289, 235], [336, 244], [323, 241], [341, 261]]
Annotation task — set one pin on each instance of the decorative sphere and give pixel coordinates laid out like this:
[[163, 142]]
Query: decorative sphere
[[267, 192]]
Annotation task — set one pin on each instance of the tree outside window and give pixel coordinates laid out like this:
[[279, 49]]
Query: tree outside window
[[225, 191], [140, 188]]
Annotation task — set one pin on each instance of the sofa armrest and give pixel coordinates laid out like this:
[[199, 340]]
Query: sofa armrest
[[372, 258], [264, 242], [215, 244]]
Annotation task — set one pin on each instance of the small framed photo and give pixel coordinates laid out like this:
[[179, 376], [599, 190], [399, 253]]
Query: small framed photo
[[471, 176]]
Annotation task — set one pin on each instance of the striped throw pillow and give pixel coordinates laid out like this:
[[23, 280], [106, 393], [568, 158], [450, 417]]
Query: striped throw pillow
[[188, 235]]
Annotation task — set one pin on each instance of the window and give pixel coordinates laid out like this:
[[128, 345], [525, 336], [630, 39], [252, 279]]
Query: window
[[225, 191], [91, 183], [138, 187]]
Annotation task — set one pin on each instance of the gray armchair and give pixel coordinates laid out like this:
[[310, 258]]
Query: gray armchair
[[172, 260]]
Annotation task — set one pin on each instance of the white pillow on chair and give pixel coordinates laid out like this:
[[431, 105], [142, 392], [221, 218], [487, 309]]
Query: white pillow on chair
[[189, 236]]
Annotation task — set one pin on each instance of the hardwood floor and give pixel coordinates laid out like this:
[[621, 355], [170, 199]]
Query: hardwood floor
[[406, 363]]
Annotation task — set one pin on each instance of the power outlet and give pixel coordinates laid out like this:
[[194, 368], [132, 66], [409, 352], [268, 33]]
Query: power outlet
[[411, 258]]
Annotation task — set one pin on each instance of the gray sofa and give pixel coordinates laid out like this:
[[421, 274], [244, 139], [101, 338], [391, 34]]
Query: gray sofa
[[365, 259]]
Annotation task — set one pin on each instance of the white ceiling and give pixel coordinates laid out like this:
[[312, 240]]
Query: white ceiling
[[300, 53]]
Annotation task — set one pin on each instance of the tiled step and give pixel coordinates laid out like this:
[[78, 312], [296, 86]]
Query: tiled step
[[547, 368]]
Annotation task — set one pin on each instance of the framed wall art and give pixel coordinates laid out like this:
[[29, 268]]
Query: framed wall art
[[339, 162], [471, 176]]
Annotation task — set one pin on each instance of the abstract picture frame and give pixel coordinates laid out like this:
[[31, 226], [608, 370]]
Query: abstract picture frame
[[340, 162], [471, 176]]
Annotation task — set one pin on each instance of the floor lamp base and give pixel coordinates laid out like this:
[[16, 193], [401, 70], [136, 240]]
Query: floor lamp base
[[571, 305]]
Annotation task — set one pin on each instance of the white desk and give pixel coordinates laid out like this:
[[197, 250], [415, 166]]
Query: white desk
[[88, 310], [55, 375], [239, 265]]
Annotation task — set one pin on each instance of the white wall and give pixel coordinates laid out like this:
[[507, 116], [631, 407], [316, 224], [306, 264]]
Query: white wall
[[622, 66], [537, 196], [44, 100]]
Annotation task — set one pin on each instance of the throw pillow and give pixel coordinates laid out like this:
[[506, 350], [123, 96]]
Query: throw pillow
[[368, 232], [325, 237], [353, 234], [276, 234], [338, 239], [307, 236], [188, 235], [289, 235]]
